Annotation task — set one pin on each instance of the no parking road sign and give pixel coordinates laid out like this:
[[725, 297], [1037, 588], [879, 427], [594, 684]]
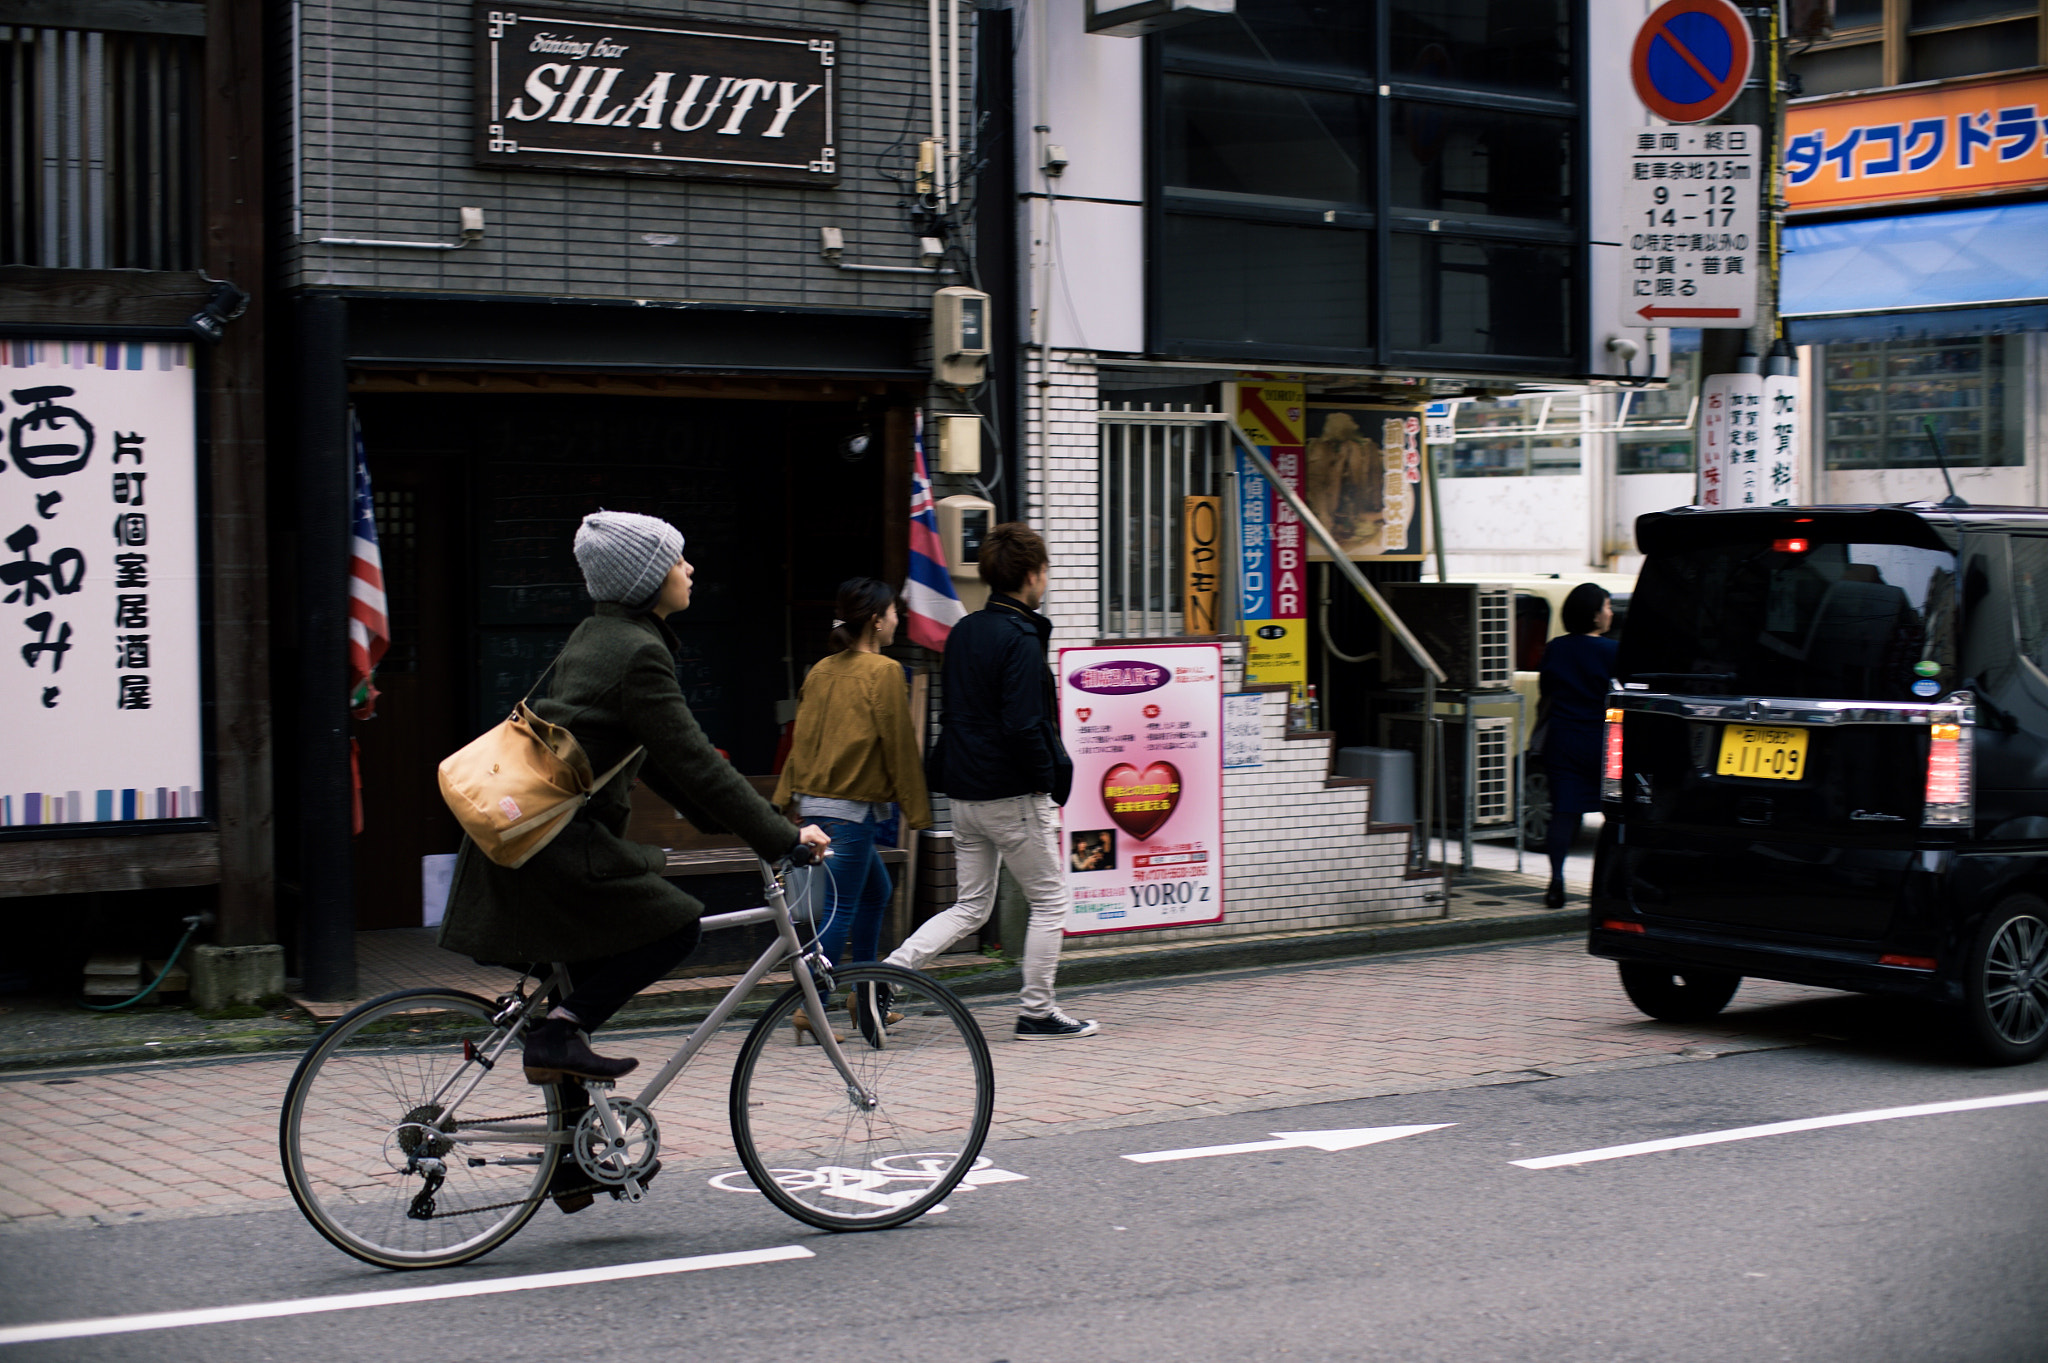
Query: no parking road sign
[[1691, 59]]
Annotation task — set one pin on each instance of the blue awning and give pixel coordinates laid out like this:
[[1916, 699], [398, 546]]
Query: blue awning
[[1969, 272]]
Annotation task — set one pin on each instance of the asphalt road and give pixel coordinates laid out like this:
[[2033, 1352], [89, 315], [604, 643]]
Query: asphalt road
[[1916, 1238]]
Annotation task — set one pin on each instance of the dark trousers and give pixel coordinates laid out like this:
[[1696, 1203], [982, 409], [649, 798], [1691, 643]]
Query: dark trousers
[[601, 987]]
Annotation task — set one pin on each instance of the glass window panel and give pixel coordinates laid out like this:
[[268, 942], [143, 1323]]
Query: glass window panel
[[1507, 457], [1223, 281], [1479, 297], [1835, 69], [1934, 13], [1518, 45], [1671, 452], [1459, 160], [1877, 401], [1551, 454], [2030, 596], [1333, 36], [1234, 137], [1970, 51], [1858, 13]]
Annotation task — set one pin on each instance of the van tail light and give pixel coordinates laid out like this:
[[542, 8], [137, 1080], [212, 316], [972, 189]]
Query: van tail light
[[1610, 774], [1949, 802]]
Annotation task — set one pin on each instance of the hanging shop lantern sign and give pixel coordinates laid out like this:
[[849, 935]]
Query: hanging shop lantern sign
[[641, 95]]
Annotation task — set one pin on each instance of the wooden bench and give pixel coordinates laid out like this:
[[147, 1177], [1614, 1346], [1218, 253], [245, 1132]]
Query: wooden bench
[[692, 852]]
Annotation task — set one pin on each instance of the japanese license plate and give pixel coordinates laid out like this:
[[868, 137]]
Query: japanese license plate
[[1773, 753]]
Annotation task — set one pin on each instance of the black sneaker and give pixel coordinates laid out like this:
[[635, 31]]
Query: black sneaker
[[869, 1003], [1054, 1026]]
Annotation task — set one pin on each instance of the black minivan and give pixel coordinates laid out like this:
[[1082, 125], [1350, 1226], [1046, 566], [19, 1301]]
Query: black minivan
[[1828, 762]]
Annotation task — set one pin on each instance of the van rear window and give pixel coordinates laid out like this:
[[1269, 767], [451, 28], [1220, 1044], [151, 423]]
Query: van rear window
[[1806, 618]]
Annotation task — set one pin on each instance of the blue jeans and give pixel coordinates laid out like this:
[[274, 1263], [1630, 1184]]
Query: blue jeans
[[857, 891]]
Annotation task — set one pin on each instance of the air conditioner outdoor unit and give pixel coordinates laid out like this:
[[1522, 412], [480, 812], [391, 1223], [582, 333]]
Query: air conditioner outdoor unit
[[1492, 763], [1468, 627]]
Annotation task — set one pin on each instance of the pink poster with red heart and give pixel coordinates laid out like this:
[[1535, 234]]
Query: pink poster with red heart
[[1143, 830]]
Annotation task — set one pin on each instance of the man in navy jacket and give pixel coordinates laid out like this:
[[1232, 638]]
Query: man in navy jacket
[[1000, 760]]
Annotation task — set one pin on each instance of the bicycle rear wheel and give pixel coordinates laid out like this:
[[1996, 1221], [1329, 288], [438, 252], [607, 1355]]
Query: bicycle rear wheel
[[379, 1163], [831, 1162]]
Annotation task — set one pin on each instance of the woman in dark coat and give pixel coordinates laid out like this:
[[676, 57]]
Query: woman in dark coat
[[590, 897], [1577, 672]]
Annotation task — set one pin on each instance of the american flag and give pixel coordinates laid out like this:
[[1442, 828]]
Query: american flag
[[369, 625], [931, 606]]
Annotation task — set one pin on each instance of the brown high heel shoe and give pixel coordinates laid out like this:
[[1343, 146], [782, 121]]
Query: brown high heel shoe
[[805, 1031]]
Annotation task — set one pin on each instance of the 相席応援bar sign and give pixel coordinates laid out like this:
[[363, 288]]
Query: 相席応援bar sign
[[647, 95], [1971, 138]]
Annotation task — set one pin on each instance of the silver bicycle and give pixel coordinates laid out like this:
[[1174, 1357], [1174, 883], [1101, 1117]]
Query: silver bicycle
[[411, 1139]]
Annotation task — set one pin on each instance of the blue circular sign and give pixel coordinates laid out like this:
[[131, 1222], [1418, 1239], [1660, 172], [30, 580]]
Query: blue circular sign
[[1691, 59]]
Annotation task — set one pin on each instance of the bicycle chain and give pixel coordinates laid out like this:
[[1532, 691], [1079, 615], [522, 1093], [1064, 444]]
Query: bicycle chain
[[439, 1215]]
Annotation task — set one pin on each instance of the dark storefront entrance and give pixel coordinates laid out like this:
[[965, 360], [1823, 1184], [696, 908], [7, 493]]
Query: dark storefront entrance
[[478, 495]]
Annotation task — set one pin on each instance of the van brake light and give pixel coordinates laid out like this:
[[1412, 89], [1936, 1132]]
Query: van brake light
[[1948, 803], [1610, 774]]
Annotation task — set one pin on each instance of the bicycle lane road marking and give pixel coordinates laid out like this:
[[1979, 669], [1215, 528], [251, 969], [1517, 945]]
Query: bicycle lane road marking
[[1745, 1133], [400, 1296]]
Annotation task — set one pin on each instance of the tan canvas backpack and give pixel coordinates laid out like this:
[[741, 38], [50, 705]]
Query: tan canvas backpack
[[516, 786]]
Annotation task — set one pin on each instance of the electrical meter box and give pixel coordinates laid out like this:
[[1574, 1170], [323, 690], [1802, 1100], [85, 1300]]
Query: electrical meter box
[[964, 522], [960, 336]]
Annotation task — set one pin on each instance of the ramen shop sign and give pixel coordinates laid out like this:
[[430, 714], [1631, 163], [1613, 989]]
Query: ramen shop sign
[[644, 95]]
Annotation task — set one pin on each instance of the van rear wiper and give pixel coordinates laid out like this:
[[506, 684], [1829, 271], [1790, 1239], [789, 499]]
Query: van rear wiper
[[1682, 676]]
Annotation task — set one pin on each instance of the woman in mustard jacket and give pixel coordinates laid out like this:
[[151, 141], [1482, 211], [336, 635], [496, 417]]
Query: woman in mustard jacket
[[852, 755]]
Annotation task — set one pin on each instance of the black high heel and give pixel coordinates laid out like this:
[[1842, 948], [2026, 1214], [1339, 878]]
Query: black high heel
[[1554, 896]]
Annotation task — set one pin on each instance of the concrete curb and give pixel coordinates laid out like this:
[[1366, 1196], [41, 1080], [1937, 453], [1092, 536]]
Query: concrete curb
[[1110, 967]]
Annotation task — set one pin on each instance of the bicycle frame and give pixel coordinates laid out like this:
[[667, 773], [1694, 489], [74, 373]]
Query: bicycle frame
[[787, 947]]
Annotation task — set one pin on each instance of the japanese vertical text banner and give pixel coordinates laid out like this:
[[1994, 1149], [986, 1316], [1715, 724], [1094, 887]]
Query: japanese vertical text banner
[[1273, 574], [99, 586], [1143, 830]]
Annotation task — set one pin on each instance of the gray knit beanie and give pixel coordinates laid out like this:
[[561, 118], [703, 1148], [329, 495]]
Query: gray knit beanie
[[624, 556]]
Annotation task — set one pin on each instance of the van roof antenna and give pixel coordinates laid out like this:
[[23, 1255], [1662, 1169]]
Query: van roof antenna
[[1941, 461]]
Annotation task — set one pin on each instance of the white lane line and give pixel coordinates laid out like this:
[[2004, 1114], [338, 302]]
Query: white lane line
[[1745, 1133], [399, 1296]]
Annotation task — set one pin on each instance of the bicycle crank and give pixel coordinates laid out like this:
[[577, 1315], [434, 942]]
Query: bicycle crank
[[617, 1143]]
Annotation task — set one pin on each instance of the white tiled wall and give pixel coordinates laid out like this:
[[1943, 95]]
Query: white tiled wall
[[1297, 854]]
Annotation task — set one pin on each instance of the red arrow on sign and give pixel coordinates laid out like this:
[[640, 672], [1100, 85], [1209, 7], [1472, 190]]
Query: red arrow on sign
[[1653, 312]]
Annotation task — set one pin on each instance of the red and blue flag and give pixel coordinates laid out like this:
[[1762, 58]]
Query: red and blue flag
[[931, 606]]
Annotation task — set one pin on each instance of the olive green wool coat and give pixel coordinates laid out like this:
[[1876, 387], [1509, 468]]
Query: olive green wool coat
[[591, 893]]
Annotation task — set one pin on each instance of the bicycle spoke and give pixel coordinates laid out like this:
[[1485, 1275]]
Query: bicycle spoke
[[379, 1167], [843, 1166]]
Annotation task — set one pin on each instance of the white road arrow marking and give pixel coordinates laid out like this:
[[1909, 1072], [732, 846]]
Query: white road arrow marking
[[1294, 1140], [1746, 1133]]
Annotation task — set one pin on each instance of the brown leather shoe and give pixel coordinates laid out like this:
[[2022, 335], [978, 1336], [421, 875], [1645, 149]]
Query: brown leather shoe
[[558, 1050]]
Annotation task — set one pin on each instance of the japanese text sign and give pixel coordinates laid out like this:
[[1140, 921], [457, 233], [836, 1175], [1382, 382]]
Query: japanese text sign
[[1918, 144], [1143, 830], [99, 583], [1272, 547], [1689, 206]]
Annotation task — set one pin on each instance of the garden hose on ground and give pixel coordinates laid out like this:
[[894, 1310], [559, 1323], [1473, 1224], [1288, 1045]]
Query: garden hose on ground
[[192, 925]]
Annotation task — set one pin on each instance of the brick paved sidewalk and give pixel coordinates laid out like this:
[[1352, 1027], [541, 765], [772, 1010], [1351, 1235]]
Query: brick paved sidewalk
[[184, 1138]]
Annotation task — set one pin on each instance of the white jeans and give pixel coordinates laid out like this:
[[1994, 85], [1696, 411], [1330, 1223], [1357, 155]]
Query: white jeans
[[1023, 833]]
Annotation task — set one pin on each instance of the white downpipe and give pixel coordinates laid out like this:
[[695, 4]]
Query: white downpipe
[[952, 149], [937, 76]]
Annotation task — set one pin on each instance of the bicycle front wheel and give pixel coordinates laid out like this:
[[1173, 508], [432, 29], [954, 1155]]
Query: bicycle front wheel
[[832, 1160], [403, 1147]]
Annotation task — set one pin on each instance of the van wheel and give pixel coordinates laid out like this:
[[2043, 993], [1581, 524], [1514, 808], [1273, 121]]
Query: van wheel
[[2005, 984], [1677, 995]]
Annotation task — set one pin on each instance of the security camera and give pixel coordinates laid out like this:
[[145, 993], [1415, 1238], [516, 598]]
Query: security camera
[[1625, 349]]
